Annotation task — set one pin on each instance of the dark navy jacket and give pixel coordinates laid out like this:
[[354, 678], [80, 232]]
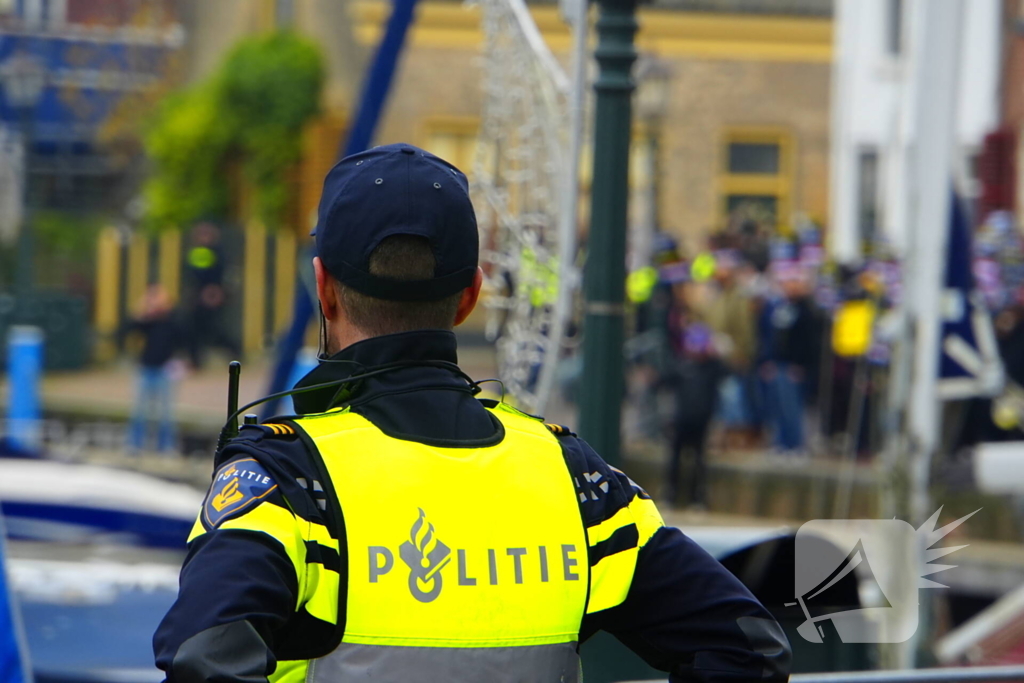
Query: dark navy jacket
[[234, 616]]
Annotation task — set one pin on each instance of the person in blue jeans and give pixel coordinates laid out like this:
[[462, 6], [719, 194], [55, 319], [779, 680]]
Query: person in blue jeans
[[154, 402], [784, 394], [790, 349]]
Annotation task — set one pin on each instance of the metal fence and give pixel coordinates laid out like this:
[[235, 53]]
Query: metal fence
[[979, 674]]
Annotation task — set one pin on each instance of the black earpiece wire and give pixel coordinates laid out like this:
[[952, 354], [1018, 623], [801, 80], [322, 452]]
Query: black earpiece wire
[[364, 372], [371, 371], [478, 382]]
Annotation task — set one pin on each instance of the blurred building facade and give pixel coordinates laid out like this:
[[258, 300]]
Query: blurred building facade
[[746, 122], [70, 145], [260, 261], [872, 118], [744, 131], [100, 59], [745, 128]]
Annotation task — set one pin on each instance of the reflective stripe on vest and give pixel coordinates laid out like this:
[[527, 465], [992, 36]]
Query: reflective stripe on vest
[[535, 663], [459, 559]]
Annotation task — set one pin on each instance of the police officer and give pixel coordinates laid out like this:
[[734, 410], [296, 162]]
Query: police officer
[[399, 529]]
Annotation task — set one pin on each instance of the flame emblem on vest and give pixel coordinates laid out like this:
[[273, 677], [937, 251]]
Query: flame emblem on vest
[[426, 556]]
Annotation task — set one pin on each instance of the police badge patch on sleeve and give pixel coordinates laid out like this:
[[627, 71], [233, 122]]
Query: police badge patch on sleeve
[[237, 486]]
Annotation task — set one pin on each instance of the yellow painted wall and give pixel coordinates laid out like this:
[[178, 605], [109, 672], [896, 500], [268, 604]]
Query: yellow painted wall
[[284, 279], [106, 315], [670, 33], [321, 142], [254, 287], [138, 271]]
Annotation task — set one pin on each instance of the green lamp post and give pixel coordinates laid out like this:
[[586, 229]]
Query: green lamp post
[[604, 282], [603, 379]]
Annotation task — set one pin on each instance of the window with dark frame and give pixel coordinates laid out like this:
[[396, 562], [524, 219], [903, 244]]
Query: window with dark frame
[[754, 158], [756, 176], [867, 195]]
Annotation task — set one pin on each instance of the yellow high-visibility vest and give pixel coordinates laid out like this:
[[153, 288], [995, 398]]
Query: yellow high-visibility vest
[[454, 585], [851, 331], [640, 284], [539, 277], [703, 267], [202, 258], [455, 563]]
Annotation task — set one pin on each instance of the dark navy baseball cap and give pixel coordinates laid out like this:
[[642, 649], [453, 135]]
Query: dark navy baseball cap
[[397, 190]]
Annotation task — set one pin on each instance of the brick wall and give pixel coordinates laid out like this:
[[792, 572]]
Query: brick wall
[[708, 97]]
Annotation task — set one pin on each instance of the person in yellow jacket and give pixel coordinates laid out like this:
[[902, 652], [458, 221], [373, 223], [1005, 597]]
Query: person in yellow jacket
[[399, 529]]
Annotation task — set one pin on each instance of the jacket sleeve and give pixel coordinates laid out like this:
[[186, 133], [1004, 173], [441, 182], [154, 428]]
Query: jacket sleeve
[[237, 588], [661, 594], [242, 579]]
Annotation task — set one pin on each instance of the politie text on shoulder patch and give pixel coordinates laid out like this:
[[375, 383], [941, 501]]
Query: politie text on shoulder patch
[[237, 486]]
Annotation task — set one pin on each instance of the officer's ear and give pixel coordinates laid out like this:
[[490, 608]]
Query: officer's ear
[[326, 290], [470, 295]]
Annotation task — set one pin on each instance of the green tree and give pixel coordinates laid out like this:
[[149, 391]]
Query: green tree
[[250, 112]]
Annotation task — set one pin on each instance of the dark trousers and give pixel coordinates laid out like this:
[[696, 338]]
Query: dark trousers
[[207, 332], [688, 437]]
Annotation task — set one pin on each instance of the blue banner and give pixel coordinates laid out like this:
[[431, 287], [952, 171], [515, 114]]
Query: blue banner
[[13, 663], [959, 284], [88, 75]]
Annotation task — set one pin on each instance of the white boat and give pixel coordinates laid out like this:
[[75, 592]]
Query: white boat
[[46, 500]]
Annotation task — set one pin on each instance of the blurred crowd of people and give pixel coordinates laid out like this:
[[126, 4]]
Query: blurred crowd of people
[[761, 345], [742, 344]]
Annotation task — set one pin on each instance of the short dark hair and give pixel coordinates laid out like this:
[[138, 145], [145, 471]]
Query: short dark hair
[[399, 257]]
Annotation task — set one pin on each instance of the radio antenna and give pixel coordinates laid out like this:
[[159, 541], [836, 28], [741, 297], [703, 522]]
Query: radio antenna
[[234, 375], [230, 430]]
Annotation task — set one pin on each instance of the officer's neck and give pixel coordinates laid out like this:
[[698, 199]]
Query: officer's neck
[[342, 335], [406, 348]]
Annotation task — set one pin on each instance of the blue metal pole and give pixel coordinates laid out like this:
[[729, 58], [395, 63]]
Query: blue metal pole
[[24, 370], [375, 91]]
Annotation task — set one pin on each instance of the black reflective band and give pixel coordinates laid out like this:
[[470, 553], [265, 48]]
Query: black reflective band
[[624, 538], [322, 554], [403, 290], [228, 652]]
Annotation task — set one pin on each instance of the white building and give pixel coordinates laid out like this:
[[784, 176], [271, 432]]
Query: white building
[[872, 124]]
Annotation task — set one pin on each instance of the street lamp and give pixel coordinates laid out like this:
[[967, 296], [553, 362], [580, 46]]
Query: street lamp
[[604, 277], [23, 78], [654, 78]]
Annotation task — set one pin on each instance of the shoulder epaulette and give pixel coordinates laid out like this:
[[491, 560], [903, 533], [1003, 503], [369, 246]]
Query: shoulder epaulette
[[559, 430], [273, 429]]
